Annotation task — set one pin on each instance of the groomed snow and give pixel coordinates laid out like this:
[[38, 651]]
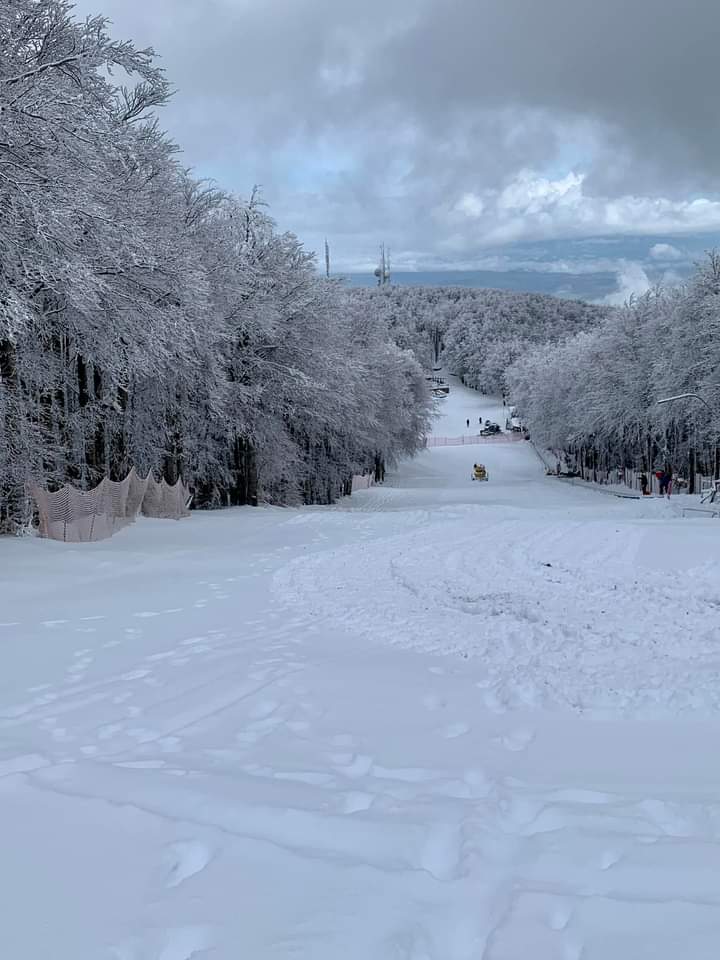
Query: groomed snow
[[443, 720]]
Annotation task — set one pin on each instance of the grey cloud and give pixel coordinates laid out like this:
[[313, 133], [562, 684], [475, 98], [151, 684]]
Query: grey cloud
[[644, 69], [435, 99]]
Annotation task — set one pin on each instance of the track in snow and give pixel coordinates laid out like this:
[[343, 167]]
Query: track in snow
[[385, 729]]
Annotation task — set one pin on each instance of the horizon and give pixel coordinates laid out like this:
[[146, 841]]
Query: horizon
[[633, 268], [454, 135]]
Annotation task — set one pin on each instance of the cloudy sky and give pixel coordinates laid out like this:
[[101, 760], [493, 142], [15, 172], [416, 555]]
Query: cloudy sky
[[558, 136]]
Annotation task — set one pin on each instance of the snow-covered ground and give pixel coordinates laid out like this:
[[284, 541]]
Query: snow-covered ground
[[443, 720]]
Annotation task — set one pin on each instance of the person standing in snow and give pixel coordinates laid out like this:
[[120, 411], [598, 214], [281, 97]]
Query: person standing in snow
[[468, 423], [644, 484], [665, 478]]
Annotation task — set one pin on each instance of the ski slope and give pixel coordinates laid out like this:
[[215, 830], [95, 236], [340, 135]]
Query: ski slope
[[442, 720]]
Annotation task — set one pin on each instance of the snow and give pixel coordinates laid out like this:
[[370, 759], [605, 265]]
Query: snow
[[442, 720]]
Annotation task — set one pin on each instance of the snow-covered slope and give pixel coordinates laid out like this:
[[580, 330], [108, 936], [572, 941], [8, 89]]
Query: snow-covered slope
[[442, 720]]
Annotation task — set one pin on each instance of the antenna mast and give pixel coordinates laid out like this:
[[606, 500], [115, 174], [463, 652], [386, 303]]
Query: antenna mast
[[382, 271]]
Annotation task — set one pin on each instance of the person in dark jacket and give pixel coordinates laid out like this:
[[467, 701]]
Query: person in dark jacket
[[644, 484]]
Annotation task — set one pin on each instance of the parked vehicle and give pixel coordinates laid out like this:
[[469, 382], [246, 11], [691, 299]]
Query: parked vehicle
[[490, 429]]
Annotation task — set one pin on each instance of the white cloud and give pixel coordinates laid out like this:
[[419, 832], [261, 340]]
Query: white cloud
[[444, 128], [665, 251], [470, 204], [529, 194], [632, 281], [532, 206]]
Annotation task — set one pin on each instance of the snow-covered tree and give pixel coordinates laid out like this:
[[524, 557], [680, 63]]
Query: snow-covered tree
[[150, 320], [595, 395]]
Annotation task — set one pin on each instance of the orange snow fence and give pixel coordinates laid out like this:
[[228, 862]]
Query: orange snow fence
[[471, 439], [81, 516]]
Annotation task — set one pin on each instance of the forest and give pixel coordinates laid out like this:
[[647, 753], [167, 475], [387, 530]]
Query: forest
[[152, 320], [586, 378], [595, 395]]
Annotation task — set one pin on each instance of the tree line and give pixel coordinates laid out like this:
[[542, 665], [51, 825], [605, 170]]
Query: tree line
[[150, 319], [585, 377], [594, 396]]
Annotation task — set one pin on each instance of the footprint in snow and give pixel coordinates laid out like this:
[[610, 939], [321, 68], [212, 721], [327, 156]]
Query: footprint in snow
[[442, 851], [357, 765], [135, 675], [432, 702], [191, 641], [143, 735], [609, 858], [140, 764], [517, 740], [24, 763], [298, 726], [560, 917], [493, 702], [179, 943], [312, 777], [356, 801], [259, 729], [572, 951], [454, 730], [478, 782], [263, 709], [186, 858], [108, 731], [312, 709], [80, 666]]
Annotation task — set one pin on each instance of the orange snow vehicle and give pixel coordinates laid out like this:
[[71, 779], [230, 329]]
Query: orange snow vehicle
[[479, 472]]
